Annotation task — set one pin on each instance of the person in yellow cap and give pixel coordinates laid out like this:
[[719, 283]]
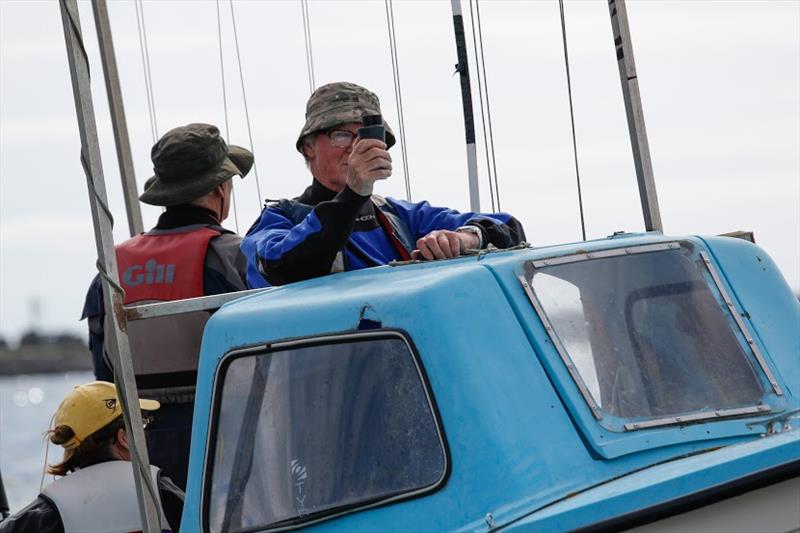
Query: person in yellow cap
[[96, 492]]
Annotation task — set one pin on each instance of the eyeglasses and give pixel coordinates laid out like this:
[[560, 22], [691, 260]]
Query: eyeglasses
[[341, 138]]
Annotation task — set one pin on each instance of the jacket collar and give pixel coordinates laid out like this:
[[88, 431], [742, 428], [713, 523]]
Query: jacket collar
[[186, 215], [316, 193]]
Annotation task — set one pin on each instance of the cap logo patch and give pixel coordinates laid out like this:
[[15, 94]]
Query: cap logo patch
[[111, 403]]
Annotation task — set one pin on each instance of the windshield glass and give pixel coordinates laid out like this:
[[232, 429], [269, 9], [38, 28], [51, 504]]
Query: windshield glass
[[646, 333], [315, 429]]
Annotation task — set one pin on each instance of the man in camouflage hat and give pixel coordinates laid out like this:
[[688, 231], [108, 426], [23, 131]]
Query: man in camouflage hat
[[187, 254], [338, 224]]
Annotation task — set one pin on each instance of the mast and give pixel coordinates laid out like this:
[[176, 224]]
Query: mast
[[107, 263], [118, 121], [635, 114], [462, 67]]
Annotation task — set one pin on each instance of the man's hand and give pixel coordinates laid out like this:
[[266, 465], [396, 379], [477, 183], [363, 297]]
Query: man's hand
[[369, 161], [443, 244]]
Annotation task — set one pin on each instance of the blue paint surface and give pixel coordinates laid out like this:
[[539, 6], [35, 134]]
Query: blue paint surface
[[521, 437]]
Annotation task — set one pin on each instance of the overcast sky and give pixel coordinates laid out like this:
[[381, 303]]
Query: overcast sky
[[720, 84]]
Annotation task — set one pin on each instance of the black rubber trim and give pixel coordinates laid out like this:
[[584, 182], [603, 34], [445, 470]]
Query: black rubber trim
[[699, 499]]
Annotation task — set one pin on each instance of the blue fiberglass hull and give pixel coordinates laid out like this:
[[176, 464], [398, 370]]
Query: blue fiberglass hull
[[524, 449]]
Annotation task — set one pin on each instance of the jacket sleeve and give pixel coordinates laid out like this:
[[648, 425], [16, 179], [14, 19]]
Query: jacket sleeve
[[500, 229], [279, 251], [40, 516], [225, 265], [95, 314]]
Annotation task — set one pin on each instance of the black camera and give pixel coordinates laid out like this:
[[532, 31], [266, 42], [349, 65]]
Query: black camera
[[372, 128]]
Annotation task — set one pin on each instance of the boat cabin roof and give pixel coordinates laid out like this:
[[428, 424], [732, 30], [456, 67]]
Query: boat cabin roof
[[538, 371]]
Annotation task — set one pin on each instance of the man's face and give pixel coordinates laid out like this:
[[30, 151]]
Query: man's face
[[328, 163]]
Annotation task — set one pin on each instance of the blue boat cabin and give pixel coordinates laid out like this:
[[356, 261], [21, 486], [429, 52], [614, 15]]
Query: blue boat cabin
[[598, 385]]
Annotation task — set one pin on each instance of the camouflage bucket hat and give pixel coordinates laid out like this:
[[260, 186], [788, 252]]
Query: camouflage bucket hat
[[189, 161], [340, 103]]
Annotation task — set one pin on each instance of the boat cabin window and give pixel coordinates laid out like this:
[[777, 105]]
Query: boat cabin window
[[645, 334], [314, 429]]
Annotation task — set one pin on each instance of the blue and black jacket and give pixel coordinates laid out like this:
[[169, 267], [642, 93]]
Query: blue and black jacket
[[322, 231]]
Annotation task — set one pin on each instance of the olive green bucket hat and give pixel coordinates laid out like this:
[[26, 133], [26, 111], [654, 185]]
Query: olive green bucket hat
[[189, 161], [340, 103]]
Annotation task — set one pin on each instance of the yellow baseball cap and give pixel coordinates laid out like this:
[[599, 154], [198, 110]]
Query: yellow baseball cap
[[87, 408]]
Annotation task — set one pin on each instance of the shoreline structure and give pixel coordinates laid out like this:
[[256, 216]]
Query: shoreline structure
[[39, 353]]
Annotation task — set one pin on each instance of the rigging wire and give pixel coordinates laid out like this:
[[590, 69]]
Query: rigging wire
[[225, 106], [148, 80], [244, 100], [309, 51], [572, 116], [480, 101], [222, 71], [397, 93], [488, 107]]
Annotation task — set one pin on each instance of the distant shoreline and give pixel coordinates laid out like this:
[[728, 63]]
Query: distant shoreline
[[45, 356], [17, 367]]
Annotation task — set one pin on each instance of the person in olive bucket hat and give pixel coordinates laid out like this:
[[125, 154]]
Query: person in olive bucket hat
[[187, 254], [338, 223]]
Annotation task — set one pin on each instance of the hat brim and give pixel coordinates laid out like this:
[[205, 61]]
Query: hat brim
[[238, 163], [149, 405], [242, 159]]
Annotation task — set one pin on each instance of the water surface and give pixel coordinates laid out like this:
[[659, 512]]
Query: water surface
[[27, 403]]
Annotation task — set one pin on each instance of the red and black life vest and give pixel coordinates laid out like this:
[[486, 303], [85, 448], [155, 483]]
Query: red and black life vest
[[158, 266]]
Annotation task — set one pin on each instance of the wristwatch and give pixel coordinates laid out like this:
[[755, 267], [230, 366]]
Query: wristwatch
[[475, 230]]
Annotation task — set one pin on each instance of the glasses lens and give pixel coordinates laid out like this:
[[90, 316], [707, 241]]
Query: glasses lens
[[341, 138]]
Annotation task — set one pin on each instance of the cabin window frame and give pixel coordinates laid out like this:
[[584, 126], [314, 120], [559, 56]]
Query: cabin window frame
[[311, 341], [773, 395]]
